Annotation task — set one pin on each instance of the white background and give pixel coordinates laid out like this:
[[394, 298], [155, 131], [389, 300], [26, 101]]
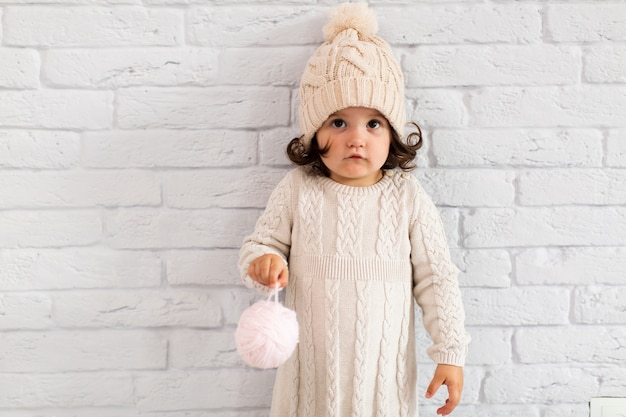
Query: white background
[[140, 140]]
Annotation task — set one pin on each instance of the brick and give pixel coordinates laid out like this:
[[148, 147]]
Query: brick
[[141, 308], [600, 305], [566, 410], [190, 349], [71, 412], [56, 109], [579, 106], [518, 147], [491, 410], [436, 108], [92, 26], [68, 389], [612, 380], [203, 108], [490, 347], [49, 352], [605, 64], [570, 266], [571, 344], [233, 301], [204, 189], [586, 22], [479, 65], [454, 24], [262, 412], [516, 306], [264, 66], [245, 26], [149, 228], [56, 228], [116, 68], [24, 311], [483, 268], [468, 187], [19, 68], [212, 389], [544, 385], [52, 269], [405, 2], [203, 267], [66, 3], [168, 148], [39, 149], [616, 148], [257, 412], [79, 189], [557, 226], [587, 187], [450, 219], [273, 144]]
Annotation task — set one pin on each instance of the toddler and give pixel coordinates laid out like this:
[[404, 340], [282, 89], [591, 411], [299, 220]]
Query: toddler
[[355, 239]]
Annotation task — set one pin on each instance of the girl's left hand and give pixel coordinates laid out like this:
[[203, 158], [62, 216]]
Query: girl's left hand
[[452, 377]]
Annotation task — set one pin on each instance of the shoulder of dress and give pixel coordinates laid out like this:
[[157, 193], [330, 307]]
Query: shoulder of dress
[[405, 180], [301, 173]]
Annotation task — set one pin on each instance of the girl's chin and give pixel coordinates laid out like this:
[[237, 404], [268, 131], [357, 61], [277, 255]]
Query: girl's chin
[[357, 180]]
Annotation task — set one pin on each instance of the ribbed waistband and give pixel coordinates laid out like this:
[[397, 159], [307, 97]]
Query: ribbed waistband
[[350, 269]]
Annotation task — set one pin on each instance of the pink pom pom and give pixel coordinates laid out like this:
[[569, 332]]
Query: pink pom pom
[[267, 334]]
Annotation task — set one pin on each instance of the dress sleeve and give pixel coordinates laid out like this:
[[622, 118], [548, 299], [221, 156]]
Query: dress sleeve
[[435, 285], [272, 233]]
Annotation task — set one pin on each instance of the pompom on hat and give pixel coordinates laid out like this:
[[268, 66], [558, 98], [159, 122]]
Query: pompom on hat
[[353, 68]]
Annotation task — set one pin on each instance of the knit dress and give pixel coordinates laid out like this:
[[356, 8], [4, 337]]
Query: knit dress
[[357, 258]]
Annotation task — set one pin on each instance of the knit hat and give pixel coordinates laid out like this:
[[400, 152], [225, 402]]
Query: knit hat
[[353, 68]]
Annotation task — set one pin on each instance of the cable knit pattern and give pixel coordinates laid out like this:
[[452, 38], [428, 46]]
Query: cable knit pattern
[[382, 389], [350, 226], [388, 218], [274, 233], [360, 347], [332, 352], [446, 293], [293, 407], [311, 205], [306, 344], [358, 257], [352, 68], [402, 375]]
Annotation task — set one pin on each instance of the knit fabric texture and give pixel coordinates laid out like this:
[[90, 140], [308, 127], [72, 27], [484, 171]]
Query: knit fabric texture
[[358, 257], [353, 68]]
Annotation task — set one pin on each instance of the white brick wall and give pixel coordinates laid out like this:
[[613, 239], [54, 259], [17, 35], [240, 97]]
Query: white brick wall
[[139, 142]]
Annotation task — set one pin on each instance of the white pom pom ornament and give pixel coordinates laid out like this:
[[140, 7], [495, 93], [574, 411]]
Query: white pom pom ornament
[[267, 333], [355, 16]]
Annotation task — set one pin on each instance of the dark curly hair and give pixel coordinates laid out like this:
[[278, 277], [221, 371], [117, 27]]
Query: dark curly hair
[[401, 154]]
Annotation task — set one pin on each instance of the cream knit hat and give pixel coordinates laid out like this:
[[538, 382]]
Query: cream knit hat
[[353, 68]]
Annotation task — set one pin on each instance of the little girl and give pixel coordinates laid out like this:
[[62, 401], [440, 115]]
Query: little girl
[[355, 241]]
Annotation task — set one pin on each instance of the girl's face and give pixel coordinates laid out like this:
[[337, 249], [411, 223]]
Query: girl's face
[[358, 140]]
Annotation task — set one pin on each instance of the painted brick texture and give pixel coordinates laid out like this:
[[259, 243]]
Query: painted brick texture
[[139, 142]]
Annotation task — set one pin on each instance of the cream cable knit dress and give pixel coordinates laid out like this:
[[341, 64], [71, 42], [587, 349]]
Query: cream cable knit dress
[[357, 257]]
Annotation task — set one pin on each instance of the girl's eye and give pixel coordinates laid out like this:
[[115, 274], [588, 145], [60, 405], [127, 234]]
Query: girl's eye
[[373, 124], [338, 123]]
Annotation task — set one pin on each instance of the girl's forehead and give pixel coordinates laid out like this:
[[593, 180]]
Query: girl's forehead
[[357, 111]]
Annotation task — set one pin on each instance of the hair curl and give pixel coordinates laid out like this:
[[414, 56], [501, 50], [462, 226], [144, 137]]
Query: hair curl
[[401, 154]]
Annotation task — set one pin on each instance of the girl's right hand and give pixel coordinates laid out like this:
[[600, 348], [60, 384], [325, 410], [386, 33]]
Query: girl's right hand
[[269, 270]]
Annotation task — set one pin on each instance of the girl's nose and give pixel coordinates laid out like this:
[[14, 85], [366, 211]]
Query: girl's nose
[[355, 139]]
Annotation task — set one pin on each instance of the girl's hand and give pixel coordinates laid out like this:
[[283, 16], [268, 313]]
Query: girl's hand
[[269, 270], [452, 377]]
